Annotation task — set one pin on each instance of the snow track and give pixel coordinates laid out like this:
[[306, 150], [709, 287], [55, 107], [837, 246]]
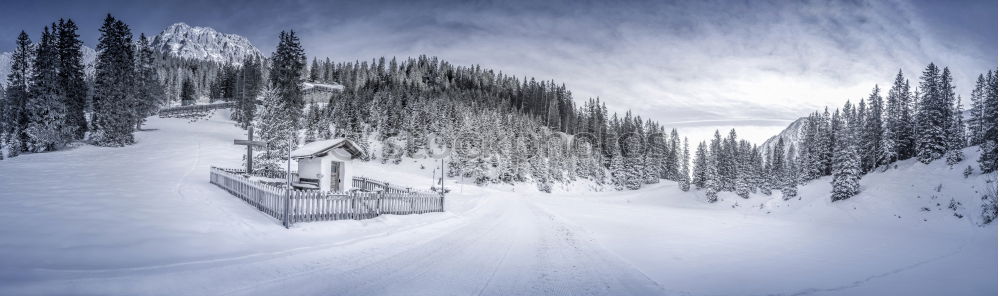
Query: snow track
[[508, 246]]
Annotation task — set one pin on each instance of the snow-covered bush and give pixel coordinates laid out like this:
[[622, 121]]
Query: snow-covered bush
[[989, 206]]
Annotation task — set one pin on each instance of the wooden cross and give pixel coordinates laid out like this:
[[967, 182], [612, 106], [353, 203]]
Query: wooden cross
[[250, 143]]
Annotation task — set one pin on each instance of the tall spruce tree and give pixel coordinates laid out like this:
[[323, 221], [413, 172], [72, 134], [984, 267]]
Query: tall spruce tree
[[287, 64], [899, 118], [872, 133], [314, 71], [789, 188], [976, 123], [274, 128], [248, 85], [988, 156], [700, 165], [188, 93], [72, 78], [47, 126], [712, 186], [932, 116], [685, 178], [150, 93], [114, 93], [846, 167], [16, 96]]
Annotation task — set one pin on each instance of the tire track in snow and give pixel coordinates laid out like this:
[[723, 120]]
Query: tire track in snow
[[180, 183], [865, 280], [404, 266]]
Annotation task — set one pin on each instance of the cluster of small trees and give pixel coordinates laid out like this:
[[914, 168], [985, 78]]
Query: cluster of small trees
[[925, 123], [46, 98], [735, 165]]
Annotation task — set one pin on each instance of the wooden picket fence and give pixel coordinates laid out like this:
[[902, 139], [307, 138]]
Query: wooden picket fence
[[369, 184], [308, 206]]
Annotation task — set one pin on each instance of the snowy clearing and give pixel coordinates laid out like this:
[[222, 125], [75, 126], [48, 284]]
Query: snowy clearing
[[143, 220]]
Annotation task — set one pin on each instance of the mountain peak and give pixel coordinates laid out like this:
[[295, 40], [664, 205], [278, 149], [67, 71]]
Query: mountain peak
[[204, 43]]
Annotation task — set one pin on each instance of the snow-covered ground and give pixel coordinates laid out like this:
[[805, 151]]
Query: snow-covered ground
[[144, 220]]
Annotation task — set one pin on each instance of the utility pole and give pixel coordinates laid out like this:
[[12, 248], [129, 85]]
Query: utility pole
[[288, 183]]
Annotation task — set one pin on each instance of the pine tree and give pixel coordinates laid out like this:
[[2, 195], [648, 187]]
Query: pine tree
[[873, 133], [187, 92], [114, 120], [776, 174], [273, 128], [976, 123], [314, 71], [846, 166], [741, 183], [47, 127], [16, 96], [790, 178], [825, 146], [956, 135], [932, 116], [287, 64], [248, 85], [71, 76], [618, 175], [988, 158], [149, 92], [712, 186], [898, 120], [685, 180], [650, 173], [312, 123]]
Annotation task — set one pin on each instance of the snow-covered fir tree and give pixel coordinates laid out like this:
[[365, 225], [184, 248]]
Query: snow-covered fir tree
[[188, 94], [273, 127], [932, 116], [16, 96], [71, 76], [685, 178], [712, 186], [956, 134], [287, 64], [988, 157], [113, 120], [846, 167], [149, 92], [47, 127], [872, 131], [790, 178], [700, 165], [249, 79]]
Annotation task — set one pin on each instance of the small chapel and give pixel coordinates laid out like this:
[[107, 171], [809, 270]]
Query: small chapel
[[326, 165]]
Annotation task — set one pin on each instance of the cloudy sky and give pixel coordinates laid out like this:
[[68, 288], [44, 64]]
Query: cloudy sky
[[695, 65]]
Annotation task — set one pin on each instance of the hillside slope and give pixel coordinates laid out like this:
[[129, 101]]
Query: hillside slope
[[143, 220]]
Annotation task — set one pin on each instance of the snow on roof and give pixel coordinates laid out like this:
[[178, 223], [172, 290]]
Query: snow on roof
[[320, 147]]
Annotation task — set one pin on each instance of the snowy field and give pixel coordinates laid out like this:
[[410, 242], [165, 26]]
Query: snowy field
[[143, 220]]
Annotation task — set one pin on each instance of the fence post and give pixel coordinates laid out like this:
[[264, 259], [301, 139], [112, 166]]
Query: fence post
[[284, 218]]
